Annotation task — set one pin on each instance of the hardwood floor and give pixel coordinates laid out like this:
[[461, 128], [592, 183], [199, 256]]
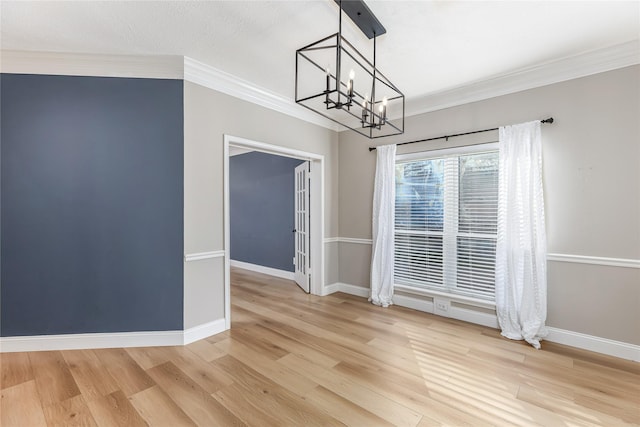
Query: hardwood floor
[[293, 359]]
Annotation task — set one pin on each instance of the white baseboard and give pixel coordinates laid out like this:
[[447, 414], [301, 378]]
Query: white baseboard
[[90, 341], [110, 339], [574, 339], [289, 275], [358, 291], [474, 316], [330, 289], [203, 331], [619, 349], [419, 304], [459, 313]]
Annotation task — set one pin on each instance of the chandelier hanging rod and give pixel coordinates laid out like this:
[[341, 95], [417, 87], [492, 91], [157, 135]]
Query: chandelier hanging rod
[[549, 120], [387, 82]]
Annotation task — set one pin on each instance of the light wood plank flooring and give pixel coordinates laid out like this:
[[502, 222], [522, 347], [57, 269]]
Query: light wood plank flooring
[[293, 359]]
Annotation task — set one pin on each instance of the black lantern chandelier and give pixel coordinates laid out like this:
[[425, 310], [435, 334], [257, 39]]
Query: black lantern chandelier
[[353, 92]]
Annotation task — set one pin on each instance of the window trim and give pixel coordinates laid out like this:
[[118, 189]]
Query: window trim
[[437, 154]]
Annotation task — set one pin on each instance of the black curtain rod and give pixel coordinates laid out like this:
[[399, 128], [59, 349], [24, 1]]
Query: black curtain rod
[[549, 120]]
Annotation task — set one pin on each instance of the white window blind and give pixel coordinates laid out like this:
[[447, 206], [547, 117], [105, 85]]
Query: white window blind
[[446, 222]]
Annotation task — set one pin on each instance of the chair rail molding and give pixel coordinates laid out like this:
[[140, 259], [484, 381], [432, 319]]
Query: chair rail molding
[[348, 240], [556, 257], [583, 259], [197, 256]]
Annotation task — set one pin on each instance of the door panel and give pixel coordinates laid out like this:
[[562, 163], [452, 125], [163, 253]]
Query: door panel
[[302, 226]]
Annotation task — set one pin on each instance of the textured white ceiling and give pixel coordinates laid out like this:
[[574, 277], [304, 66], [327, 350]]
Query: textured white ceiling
[[430, 46]]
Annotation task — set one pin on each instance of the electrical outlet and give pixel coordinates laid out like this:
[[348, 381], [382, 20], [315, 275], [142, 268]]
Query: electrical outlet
[[442, 305]]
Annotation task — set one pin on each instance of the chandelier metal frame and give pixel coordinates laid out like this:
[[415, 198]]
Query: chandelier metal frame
[[367, 115]]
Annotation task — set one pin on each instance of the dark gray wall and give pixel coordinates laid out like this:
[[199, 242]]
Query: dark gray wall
[[92, 204], [261, 192]]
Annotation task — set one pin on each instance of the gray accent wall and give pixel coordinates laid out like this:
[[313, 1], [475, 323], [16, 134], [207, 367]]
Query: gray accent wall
[[92, 204], [591, 157], [261, 203]]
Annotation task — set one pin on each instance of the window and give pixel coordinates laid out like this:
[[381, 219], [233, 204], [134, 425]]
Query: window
[[446, 223]]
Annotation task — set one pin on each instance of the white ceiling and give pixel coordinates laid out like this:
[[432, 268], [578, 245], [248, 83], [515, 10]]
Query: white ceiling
[[430, 46]]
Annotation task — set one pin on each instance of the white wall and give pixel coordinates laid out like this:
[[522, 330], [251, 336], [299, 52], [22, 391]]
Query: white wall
[[592, 191], [208, 115]]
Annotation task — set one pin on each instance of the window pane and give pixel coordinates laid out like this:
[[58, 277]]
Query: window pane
[[475, 268], [420, 195], [446, 223], [418, 260], [478, 193]]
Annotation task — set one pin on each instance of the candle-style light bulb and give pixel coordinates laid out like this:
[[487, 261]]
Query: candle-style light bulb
[[328, 78], [352, 74], [384, 108], [365, 110], [383, 111]]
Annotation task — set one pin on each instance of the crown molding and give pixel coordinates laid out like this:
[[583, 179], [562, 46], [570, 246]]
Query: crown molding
[[569, 68], [155, 67], [78, 64], [221, 81], [178, 67]]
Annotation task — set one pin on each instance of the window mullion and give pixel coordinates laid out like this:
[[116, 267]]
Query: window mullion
[[450, 221]]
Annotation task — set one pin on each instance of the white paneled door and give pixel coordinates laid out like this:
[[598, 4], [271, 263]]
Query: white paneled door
[[301, 231]]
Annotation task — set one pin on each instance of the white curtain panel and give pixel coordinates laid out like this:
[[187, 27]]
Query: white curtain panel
[[384, 201], [521, 268]]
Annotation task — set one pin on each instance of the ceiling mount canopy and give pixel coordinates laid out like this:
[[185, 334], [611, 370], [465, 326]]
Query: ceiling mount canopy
[[362, 16], [336, 81]]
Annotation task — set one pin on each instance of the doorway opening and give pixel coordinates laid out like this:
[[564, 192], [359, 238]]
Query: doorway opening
[[309, 215]]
